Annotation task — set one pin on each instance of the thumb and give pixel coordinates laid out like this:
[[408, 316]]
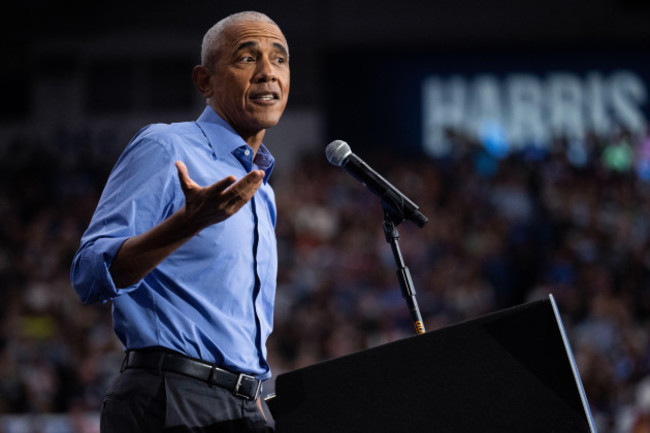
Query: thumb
[[186, 182]]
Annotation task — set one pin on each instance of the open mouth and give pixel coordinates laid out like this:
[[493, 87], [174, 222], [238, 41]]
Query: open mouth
[[265, 96]]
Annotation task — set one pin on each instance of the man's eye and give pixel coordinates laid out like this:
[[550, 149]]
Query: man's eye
[[248, 59]]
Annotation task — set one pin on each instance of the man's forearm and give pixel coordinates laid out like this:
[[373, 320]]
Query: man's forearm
[[140, 254]]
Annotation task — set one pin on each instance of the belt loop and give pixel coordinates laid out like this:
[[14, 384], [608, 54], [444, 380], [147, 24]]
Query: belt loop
[[125, 362], [211, 375], [161, 362]]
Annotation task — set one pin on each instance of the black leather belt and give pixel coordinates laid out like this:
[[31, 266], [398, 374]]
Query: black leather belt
[[241, 385]]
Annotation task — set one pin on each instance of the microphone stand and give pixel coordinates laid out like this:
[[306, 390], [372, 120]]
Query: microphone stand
[[391, 220]]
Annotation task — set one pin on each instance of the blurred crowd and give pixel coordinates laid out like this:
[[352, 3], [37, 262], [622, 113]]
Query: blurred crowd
[[570, 219]]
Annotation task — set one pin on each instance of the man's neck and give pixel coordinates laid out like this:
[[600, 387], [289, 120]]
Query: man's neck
[[253, 140]]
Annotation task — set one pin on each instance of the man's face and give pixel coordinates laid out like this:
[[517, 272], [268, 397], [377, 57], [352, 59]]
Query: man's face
[[249, 81]]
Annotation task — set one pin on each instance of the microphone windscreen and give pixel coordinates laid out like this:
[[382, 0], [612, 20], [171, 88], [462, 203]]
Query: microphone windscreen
[[337, 151]]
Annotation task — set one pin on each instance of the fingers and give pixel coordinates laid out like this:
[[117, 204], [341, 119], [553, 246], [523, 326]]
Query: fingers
[[252, 180], [188, 184], [229, 188], [243, 190]]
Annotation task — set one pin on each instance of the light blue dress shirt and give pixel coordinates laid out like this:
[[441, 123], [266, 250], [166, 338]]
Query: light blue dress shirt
[[212, 298]]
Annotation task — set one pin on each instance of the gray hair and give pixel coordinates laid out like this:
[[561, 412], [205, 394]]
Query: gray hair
[[214, 40]]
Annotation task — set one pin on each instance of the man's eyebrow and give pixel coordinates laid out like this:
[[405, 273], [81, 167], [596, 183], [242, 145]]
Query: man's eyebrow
[[281, 47], [253, 44], [244, 45]]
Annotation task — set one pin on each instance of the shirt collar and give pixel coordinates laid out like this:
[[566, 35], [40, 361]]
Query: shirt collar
[[223, 139]]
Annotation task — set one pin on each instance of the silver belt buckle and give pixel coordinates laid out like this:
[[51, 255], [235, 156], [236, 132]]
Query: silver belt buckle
[[240, 379]]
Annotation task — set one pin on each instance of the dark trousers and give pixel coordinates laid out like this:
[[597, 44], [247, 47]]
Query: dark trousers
[[157, 401]]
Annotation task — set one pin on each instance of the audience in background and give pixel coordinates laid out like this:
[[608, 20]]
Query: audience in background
[[573, 221]]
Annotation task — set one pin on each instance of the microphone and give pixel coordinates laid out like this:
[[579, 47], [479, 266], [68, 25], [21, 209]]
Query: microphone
[[338, 153]]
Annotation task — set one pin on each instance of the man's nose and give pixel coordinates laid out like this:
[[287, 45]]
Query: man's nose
[[265, 71]]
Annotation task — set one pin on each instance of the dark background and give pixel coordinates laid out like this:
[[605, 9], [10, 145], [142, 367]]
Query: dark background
[[316, 32]]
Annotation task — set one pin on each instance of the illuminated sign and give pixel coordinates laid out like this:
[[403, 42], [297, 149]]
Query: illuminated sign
[[506, 101], [530, 110]]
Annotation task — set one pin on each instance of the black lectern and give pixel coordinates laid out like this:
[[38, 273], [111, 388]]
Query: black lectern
[[510, 371]]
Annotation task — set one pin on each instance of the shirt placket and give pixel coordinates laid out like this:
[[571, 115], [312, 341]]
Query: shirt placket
[[245, 156]]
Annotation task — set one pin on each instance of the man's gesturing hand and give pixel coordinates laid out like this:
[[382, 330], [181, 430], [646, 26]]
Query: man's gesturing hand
[[209, 205], [204, 206]]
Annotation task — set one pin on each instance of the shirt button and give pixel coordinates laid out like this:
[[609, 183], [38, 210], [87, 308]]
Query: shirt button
[[247, 152]]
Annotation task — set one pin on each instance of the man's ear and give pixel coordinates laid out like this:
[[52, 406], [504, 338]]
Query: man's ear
[[201, 76]]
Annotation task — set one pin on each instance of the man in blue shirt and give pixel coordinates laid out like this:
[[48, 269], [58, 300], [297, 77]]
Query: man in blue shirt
[[182, 243]]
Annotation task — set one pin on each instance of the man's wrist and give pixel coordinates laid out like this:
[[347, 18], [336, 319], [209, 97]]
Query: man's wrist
[[188, 226]]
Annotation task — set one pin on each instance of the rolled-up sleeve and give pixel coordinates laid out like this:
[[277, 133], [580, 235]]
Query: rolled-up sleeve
[[138, 195], [90, 273]]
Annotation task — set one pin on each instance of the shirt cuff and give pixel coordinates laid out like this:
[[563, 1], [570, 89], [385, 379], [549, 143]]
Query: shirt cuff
[[108, 248], [98, 259]]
